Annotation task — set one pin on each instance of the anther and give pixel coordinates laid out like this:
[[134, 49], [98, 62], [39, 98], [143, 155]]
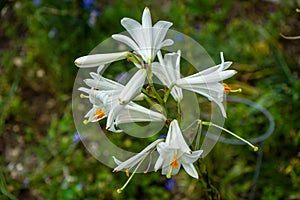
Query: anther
[[99, 114], [83, 96], [127, 172], [227, 89]]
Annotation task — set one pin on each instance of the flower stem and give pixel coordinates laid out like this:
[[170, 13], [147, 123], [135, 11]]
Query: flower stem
[[168, 93], [178, 112], [198, 129], [150, 80]]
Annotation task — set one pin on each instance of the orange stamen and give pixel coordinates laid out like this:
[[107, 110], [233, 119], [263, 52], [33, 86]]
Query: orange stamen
[[226, 88], [174, 163], [127, 172], [99, 114]]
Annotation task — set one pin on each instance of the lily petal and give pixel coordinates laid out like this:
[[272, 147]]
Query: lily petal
[[146, 40], [99, 59], [136, 113], [126, 40], [133, 87], [160, 30], [130, 24], [146, 18], [190, 169], [134, 160], [168, 72], [175, 139]]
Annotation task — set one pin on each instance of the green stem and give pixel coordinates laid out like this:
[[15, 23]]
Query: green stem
[[199, 126], [153, 90], [209, 191], [168, 93], [178, 112]]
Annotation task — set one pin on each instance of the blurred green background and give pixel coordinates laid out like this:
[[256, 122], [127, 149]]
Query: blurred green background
[[41, 156]]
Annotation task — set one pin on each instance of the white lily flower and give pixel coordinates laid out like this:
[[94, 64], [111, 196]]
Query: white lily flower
[[114, 101], [134, 160], [207, 82], [146, 40], [174, 152], [100, 59], [105, 90], [168, 72], [107, 93], [98, 111]]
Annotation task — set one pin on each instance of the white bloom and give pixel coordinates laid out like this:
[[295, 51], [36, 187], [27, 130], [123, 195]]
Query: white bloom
[[136, 159], [98, 111], [207, 82], [174, 152], [107, 92], [114, 101], [100, 59], [146, 40], [168, 72], [101, 83]]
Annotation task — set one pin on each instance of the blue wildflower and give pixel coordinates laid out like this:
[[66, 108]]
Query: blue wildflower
[[198, 27], [87, 4], [26, 182], [52, 33], [93, 17], [162, 136], [76, 137], [36, 2], [170, 184]]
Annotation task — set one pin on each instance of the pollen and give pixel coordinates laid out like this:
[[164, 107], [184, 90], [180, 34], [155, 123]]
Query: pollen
[[99, 114], [174, 163], [226, 88], [127, 172]]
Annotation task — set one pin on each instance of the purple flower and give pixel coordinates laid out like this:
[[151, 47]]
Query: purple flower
[[218, 9], [272, 10], [93, 17], [162, 136], [198, 27], [76, 137], [87, 4], [26, 182], [170, 184], [47, 180], [36, 2], [52, 33]]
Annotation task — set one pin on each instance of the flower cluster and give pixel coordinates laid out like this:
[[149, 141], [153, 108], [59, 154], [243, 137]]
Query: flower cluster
[[118, 103]]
